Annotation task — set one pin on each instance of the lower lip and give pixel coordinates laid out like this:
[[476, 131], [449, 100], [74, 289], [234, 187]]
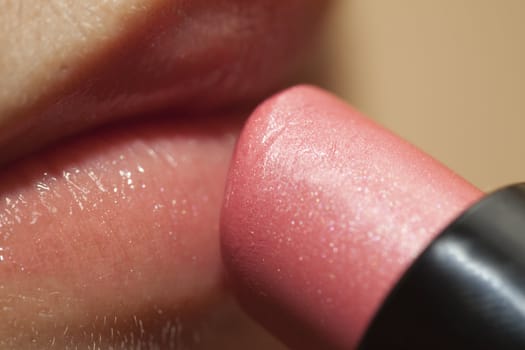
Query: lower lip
[[148, 196], [325, 212]]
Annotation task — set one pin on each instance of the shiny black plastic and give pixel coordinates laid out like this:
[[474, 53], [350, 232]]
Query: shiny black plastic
[[467, 289]]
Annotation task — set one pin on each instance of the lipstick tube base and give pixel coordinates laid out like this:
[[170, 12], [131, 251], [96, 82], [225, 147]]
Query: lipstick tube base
[[467, 289]]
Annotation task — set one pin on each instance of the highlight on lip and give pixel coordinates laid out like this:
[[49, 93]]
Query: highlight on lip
[[324, 211], [111, 240]]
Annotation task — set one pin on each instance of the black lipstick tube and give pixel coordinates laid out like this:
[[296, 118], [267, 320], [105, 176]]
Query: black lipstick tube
[[467, 289]]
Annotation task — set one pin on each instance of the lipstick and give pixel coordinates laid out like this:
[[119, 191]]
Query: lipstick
[[337, 234]]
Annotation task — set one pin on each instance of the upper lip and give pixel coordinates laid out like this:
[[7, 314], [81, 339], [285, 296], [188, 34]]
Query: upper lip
[[185, 55]]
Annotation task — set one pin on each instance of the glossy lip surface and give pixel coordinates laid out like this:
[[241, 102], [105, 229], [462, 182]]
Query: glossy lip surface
[[110, 240], [109, 230], [324, 211]]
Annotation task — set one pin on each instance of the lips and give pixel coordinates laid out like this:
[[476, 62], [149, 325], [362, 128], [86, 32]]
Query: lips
[[79, 66], [113, 224], [109, 227]]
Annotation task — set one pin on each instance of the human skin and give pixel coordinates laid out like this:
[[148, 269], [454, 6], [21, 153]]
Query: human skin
[[71, 65], [117, 123]]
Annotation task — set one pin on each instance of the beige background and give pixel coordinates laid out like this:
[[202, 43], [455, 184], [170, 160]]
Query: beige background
[[447, 75]]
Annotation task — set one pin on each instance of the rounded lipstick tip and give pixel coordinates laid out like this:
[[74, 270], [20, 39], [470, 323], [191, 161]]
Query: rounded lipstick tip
[[324, 211]]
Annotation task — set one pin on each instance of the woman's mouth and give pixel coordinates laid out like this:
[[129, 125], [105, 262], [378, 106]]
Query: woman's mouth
[[109, 233], [71, 67]]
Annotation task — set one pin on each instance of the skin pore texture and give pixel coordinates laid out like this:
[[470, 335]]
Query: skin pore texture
[[109, 233], [324, 211]]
